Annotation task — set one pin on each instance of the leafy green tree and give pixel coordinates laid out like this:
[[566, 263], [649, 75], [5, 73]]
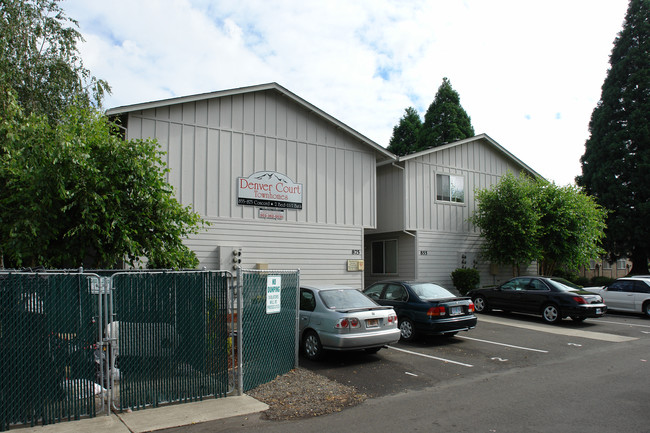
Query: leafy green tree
[[445, 120], [523, 219], [405, 134], [616, 162], [509, 222], [76, 194], [571, 227], [40, 61]]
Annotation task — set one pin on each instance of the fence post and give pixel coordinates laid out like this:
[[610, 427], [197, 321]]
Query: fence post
[[297, 338], [240, 352]]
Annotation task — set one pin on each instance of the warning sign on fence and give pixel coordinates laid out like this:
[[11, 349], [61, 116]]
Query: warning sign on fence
[[273, 291]]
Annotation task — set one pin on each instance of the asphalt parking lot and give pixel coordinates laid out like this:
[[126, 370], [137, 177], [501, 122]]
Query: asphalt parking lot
[[500, 342]]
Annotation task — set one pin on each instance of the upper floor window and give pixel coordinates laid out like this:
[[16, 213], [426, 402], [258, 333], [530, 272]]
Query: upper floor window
[[450, 188]]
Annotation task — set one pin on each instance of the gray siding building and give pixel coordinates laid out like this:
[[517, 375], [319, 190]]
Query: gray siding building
[[424, 202], [278, 179]]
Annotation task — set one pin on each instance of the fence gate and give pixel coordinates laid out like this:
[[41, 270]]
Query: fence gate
[[48, 332], [269, 320], [74, 344], [168, 333]]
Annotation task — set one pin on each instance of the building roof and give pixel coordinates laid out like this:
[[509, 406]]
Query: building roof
[[249, 89], [483, 137]]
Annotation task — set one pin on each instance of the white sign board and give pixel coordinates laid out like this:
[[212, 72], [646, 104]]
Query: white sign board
[[273, 291], [269, 189]]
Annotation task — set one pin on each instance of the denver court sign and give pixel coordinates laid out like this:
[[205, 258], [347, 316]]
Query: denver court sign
[[269, 189]]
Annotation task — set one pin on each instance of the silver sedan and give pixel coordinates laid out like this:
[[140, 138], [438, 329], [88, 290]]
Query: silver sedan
[[336, 318]]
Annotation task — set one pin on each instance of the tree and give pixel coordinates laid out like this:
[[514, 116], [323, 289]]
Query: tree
[[616, 162], [405, 134], [571, 227], [509, 222], [76, 194], [445, 120], [523, 219], [40, 61]]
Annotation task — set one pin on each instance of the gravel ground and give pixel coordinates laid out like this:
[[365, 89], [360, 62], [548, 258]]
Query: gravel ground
[[301, 393]]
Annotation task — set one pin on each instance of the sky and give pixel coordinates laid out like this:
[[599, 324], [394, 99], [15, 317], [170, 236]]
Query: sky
[[529, 73]]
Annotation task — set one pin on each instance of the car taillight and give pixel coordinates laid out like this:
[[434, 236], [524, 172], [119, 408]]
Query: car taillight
[[348, 322], [579, 299], [436, 311], [470, 307], [392, 318]]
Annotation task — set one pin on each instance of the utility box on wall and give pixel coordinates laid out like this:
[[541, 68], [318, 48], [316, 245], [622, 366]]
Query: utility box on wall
[[229, 258]]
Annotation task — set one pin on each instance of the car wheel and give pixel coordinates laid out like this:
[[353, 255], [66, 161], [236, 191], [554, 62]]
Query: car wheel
[[407, 330], [646, 309], [578, 319], [372, 350], [481, 305], [312, 347], [551, 314]]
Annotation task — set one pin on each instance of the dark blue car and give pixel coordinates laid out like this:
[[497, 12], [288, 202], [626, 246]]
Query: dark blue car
[[424, 308]]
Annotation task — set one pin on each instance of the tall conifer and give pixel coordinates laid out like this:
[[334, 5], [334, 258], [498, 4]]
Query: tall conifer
[[616, 162]]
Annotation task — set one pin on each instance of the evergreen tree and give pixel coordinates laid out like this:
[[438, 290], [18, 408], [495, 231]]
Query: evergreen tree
[[616, 162], [445, 121], [405, 134]]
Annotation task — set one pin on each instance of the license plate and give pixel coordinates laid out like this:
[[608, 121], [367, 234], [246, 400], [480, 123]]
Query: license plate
[[372, 323], [456, 311]]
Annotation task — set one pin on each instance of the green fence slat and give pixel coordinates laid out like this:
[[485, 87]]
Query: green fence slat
[[268, 344]]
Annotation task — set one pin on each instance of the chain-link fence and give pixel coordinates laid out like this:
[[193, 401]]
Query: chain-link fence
[[47, 345], [74, 343], [173, 340], [268, 321]]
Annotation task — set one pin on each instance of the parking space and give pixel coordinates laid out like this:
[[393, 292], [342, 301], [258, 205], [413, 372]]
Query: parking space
[[499, 343]]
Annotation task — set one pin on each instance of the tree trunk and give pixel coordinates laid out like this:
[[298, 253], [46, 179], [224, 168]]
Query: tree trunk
[[639, 262]]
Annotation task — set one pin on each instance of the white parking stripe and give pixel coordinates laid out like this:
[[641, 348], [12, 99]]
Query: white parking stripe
[[430, 357], [624, 324], [550, 329], [502, 344]]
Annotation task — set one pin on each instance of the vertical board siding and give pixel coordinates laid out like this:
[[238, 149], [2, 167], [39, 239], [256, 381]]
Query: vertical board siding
[[319, 251], [210, 143], [390, 198], [481, 166]]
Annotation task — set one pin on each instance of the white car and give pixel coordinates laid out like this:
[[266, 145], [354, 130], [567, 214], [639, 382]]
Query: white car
[[336, 318], [630, 294]]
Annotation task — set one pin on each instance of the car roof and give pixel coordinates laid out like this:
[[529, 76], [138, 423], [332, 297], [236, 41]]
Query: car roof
[[326, 287]]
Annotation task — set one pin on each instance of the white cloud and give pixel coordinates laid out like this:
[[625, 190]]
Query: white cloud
[[529, 74]]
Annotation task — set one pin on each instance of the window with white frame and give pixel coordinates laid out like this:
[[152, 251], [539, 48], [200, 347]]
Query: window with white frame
[[384, 257], [620, 264], [592, 264], [607, 265], [450, 188]]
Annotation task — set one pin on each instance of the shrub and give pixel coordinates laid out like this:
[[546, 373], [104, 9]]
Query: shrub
[[465, 279], [601, 281], [582, 281]]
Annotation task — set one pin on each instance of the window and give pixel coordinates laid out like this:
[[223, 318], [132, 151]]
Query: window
[[450, 188], [396, 293], [307, 301], [620, 264], [607, 265], [384, 257], [592, 264]]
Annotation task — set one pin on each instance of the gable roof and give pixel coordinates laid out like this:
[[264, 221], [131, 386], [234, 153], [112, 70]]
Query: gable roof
[[484, 137], [250, 89]]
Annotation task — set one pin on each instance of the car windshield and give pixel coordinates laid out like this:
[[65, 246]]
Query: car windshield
[[345, 298], [431, 291], [564, 285]]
